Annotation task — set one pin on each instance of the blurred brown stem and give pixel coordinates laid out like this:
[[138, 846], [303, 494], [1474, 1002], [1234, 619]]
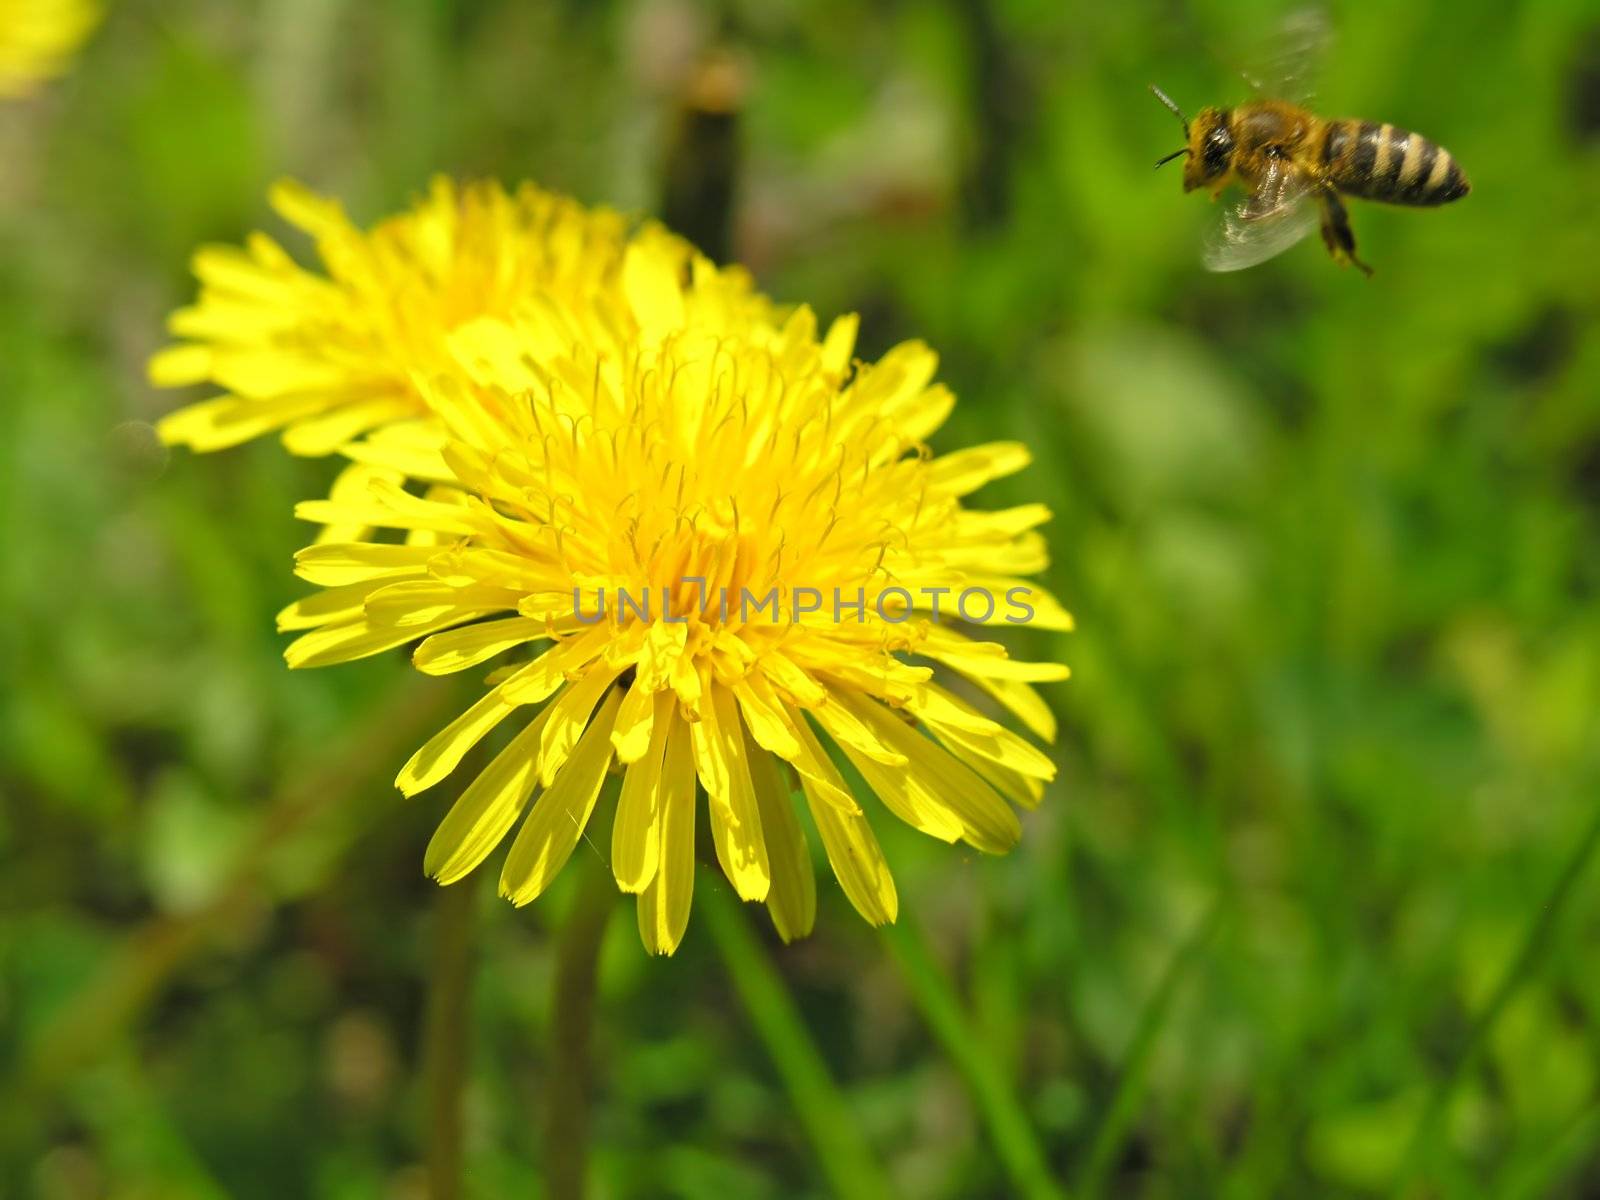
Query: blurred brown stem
[[999, 102], [571, 1027], [445, 1045], [700, 174]]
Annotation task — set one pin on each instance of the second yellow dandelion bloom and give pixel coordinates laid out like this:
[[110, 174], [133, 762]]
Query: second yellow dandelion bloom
[[327, 357], [38, 39]]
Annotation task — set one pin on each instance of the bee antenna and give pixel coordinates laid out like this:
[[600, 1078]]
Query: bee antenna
[[1161, 162], [1173, 107]]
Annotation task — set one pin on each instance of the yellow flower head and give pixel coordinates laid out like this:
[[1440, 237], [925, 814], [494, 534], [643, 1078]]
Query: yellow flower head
[[38, 37], [727, 545], [325, 358]]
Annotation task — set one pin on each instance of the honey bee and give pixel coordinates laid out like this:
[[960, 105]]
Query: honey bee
[[1296, 168]]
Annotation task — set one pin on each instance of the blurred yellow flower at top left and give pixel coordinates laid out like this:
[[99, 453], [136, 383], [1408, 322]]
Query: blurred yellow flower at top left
[[37, 37], [328, 357]]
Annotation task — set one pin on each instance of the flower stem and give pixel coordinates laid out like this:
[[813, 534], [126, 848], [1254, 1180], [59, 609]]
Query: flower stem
[[572, 1022], [444, 1053]]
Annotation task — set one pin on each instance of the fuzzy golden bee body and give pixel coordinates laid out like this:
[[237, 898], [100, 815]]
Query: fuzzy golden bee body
[[1295, 168]]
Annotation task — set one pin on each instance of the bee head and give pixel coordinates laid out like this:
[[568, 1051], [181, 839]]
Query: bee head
[[1210, 149]]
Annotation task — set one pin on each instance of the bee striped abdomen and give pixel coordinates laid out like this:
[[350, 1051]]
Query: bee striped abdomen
[[1395, 166]]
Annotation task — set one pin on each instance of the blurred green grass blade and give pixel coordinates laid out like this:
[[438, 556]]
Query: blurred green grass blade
[[1541, 1176], [844, 1156], [153, 952], [1112, 1133], [1541, 928], [1020, 1154], [140, 1141]]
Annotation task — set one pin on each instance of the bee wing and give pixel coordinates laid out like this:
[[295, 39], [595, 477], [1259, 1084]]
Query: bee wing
[[1275, 216], [1284, 65]]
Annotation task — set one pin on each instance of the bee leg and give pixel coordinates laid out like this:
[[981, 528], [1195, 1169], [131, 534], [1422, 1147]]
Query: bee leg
[[1337, 234]]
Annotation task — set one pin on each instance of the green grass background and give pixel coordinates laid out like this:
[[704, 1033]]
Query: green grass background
[[1309, 910]]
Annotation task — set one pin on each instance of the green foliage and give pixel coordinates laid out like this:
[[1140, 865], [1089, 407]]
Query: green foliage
[[1309, 910]]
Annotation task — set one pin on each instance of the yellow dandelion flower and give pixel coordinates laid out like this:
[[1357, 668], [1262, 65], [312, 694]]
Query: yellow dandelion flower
[[38, 38], [729, 548], [325, 358]]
